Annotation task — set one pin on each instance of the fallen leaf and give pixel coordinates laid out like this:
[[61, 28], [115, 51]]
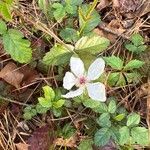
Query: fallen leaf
[[22, 146], [41, 139], [11, 74], [71, 142], [102, 4]]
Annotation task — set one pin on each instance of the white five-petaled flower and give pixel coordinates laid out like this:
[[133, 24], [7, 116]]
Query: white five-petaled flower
[[82, 80]]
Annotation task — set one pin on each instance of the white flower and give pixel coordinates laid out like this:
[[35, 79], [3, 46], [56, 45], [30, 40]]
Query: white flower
[[83, 80]]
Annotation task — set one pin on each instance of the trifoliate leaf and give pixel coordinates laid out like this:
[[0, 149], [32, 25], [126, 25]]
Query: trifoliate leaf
[[124, 135], [3, 27], [93, 45], [16, 46], [59, 12], [133, 119], [58, 55], [133, 64], [102, 137], [137, 39], [140, 135], [114, 62], [89, 23]]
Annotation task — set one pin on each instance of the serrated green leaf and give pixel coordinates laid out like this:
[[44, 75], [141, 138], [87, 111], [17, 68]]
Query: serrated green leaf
[[137, 39], [90, 23], [89, 103], [74, 2], [102, 108], [124, 135], [121, 80], [113, 78], [133, 77], [57, 112], [141, 48], [133, 64], [104, 120], [3, 27], [86, 144], [27, 116], [40, 109], [59, 12], [58, 55], [16, 46], [48, 92], [133, 119], [131, 47], [59, 103], [140, 135], [70, 9], [112, 106], [93, 45], [5, 10], [45, 102], [69, 35], [119, 117], [102, 137], [114, 62]]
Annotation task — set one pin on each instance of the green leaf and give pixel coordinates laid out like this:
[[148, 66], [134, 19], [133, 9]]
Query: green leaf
[[58, 55], [5, 10], [114, 62], [70, 9], [89, 103], [124, 135], [133, 64], [102, 108], [59, 12], [16, 46], [43, 5], [74, 2], [137, 39], [86, 144], [121, 80], [45, 102], [3, 27], [57, 112], [102, 137], [131, 47], [113, 78], [104, 120], [59, 103], [27, 116], [48, 92], [140, 135], [40, 109], [119, 117], [133, 77], [69, 35], [89, 23], [93, 45], [141, 48], [133, 119], [112, 106]]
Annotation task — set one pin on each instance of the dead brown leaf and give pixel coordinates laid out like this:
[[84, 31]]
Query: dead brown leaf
[[102, 4], [71, 142], [22, 146], [11, 74], [41, 139]]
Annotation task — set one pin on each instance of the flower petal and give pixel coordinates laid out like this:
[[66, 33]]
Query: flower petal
[[77, 66], [69, 80], [97, 91], [96, 69], [75, 93]]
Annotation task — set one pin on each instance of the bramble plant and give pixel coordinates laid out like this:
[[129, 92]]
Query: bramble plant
[[137, 44]]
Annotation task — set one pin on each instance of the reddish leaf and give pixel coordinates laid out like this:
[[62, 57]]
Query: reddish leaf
[[11, 74], [41, 139]]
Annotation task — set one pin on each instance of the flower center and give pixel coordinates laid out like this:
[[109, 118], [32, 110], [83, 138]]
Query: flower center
[[82, 80]]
